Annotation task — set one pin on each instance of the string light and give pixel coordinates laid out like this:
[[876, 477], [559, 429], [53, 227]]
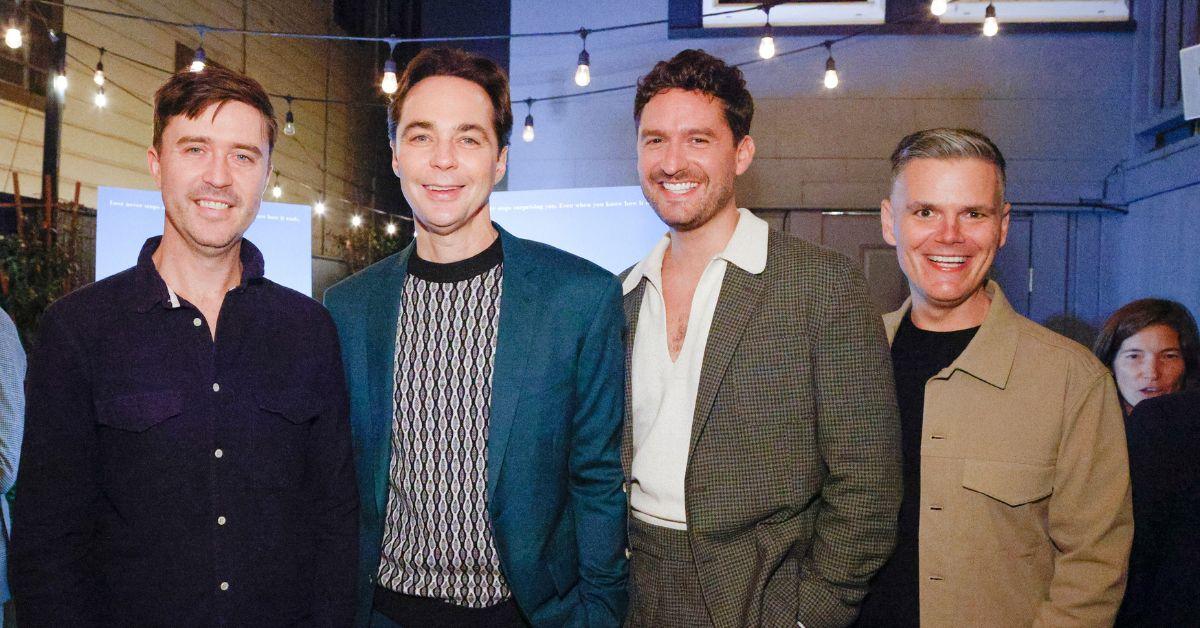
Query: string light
[[938, 7], [198, 61], [276, 190], [390, 84], [528, 133], [391, 228], [766, 46], [831, 75], [356, 221], [289, 121], [100, 99], [319, 206], [98, 77], [583, 71], [60, 83], [990, 25], [12, 34]]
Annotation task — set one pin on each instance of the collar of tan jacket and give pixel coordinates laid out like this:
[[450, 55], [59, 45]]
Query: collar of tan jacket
[[989, 357], [746, 249]]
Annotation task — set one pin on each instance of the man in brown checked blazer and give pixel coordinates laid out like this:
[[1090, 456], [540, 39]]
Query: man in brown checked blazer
[[761, 432]]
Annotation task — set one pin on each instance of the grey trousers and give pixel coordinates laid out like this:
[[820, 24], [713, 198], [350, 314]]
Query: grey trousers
[[664, 588]]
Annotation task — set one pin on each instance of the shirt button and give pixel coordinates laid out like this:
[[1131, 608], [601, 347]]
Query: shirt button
[[624, 487], [224, 586], [628, 554], [216, 387], [196, 321], [218, 453], [221, 520]]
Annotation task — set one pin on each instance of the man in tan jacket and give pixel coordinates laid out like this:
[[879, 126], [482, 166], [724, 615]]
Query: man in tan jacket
[[1017, 504]]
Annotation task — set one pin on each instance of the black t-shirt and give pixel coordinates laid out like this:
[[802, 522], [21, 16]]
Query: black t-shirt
[[917, 355]]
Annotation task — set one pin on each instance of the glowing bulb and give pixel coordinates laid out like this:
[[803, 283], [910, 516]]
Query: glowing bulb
[[198, 60], [60, 83], [13, 37], [766, 47], [356, 221], [319, 208], [583, 72], [938, 7], [390, 84], [990, 25], [276, 190], [391, 228], [831, 75], [289, 124], [100, 99], [528, 133], [98, 77]]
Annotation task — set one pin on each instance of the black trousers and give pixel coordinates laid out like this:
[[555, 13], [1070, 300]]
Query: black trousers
[[410, 611]]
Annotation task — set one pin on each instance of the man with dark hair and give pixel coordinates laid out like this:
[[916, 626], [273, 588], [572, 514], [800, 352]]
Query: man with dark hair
[[761, 436], [1017, 505], [485, 380], [174, 474]]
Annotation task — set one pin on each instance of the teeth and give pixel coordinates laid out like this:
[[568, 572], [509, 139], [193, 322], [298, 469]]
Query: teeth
[[679, 188], [213, 204], [945, 259], [438, 188]]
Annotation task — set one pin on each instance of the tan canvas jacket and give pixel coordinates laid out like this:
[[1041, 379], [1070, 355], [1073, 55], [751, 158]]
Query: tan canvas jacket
[[1026, 517]]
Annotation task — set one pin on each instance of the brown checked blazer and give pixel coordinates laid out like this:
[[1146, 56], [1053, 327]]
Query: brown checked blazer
[[793, 478]]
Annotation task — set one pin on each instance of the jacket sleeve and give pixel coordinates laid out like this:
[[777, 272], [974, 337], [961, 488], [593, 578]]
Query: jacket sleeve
[[334, 492], [53, 569], [12, 402], [858, 435], [597, 501], [1091, 513]]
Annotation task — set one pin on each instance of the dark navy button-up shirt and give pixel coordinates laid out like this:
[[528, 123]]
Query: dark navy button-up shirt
[[170, 480]]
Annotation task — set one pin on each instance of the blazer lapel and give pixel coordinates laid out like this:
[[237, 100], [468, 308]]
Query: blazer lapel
[[632, 303], [741, 293], [518, 318], [381, 337]]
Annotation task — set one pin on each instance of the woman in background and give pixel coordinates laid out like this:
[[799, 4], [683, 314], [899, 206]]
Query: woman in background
[[1153, 349]]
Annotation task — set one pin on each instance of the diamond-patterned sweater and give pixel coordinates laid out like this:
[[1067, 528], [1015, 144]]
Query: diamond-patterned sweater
[[437, 540]]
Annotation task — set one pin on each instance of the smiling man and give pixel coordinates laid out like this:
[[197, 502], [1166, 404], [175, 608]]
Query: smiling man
[[1016, 506], [485, 378], [761, 435], [186, 461]]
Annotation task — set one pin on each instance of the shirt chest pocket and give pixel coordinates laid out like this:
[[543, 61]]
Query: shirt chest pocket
[[280, 434], [138, 436], [1007, 504]]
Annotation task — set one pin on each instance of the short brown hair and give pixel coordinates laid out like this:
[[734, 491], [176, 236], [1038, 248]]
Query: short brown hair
[[189, 93], [697, 71], [1135, 316], [946, 143], [478, 69]]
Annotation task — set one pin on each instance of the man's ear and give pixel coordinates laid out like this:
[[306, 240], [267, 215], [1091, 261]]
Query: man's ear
[[745, 154], [501, 165], [155, 168], [887, 221]]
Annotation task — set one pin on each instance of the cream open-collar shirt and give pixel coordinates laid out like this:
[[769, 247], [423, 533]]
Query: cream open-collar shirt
[[664, 392]]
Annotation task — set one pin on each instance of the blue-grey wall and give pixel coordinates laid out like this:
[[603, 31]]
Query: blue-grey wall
[[1058, 104]]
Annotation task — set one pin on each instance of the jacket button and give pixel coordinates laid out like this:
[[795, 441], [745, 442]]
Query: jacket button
[[628, 554], [624, 487]]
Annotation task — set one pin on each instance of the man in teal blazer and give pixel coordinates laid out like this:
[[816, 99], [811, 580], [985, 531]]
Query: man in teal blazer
[[486, 385]]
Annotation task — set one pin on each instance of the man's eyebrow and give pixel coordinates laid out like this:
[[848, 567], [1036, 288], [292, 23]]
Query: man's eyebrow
[[417, 124], [202, 139], [915, 205], [250, 148], [470, 126]]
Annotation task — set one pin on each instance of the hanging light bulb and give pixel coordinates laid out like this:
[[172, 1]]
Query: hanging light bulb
[[98, 77], [100, 99], [528, 133], [391, 228], [276, 190], [60, 83], [289, 121], [938, 7], [390, 84], [319, 207], [990, 25], [583, 71], [831, 75], [356, 221], [12, 37], [766, 45], [198, 61]]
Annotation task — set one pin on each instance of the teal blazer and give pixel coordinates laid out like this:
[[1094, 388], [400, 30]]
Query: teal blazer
[[554, 484]]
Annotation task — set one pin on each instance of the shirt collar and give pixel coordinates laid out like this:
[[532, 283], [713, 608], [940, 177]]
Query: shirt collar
[[152, 290], [746, 249]]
